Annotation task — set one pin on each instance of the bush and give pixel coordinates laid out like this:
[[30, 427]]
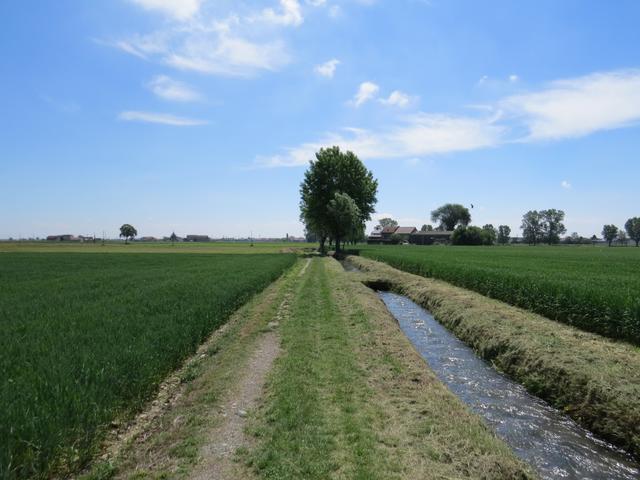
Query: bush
[[467, 236]]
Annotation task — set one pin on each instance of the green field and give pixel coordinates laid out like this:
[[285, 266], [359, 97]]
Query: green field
[[154, 247], [86, 339], [593, 288]]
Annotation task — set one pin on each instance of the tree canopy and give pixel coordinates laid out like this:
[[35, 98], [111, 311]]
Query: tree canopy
[[128, 232], [609, 232], [450, 215], [387, 222], [504, 232], [552, 226], [335, 172], [632, 226]]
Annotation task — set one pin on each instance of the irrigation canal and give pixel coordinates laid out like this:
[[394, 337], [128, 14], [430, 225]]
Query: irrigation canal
[[553, 444]]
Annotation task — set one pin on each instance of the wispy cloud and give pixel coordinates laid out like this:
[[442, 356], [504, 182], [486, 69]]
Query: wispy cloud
[[327, 69], [236, 45], [366, 91], [566, 185], [397, 99], [419, 135], [565, 109], [578, 106], [161, 118], [289, 13], [169, 89], [178, 9]]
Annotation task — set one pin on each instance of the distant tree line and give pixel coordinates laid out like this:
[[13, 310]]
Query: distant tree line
[[631, 231]]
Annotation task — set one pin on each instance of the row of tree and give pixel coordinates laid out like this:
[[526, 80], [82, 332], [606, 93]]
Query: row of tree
[[631, 230]]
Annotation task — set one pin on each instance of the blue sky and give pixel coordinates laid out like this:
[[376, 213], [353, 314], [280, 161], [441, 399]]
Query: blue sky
[[200, 116]]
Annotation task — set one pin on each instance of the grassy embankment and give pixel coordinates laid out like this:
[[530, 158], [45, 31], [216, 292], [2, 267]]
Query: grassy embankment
[[350, 398], [87, 338], [594, 379], [596, 289]]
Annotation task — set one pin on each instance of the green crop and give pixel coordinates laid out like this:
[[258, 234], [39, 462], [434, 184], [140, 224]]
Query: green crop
[[86, 339], [596, 289]]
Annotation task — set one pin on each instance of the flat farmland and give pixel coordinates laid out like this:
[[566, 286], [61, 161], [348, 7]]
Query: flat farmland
[[154, 247], [86, 339], [593, 288]]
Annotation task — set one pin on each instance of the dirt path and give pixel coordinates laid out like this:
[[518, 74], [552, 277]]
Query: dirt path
[[227, 437], [223, 441]]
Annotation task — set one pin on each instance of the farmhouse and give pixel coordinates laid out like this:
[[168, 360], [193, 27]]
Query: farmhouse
[[67, 237], [430, 237], [197, 238], [384, 236]]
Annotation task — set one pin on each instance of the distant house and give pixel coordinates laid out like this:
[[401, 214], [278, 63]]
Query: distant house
[[197, 238], [148, 239], [67, 237], [384, 236], [430, 237], [387, 232], [405, 232]]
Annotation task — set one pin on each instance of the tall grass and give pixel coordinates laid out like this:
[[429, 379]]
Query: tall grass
[[595, 289], [86, 339]]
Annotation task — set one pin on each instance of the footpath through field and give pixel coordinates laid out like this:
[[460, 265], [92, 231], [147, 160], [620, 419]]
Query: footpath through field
[[313, 379]]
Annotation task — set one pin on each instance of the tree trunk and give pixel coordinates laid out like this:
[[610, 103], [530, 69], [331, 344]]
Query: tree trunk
[[322, 240], [337, 244]]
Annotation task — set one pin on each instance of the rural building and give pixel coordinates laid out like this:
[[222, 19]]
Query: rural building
[[67, 237], [384, 236], [430, 237], [197, 238], [148, 239], [387, 232], [405, 232]]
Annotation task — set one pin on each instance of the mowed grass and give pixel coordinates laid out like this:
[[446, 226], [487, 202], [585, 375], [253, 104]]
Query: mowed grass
[[596, 289], [155, 247], [86, 338]]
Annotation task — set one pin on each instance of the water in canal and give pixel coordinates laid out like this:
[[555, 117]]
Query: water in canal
[[555, 446]]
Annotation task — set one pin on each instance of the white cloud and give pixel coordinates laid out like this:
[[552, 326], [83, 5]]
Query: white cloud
[[397, 98], [238, 45], [317, 3], [420, 135], [169, 89], [566, 185], [513, 78], [327, 69], [290, 14], [161, 118], [366, 91], [579, 106], [227, 55], [178, 9]]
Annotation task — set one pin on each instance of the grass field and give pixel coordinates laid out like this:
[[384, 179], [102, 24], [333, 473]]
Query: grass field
[[154, 247], [594, 288], [86, 338]]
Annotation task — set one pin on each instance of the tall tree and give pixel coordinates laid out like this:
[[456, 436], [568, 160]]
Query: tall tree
[[532, 227], [173, 238], [334, 172], [609, 232], [387, 222], [344, 218], [451, 215], [426, 228], [504, 231], [489, 234], [128, 232], [622, 237], [552, 226], [632, 226]]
